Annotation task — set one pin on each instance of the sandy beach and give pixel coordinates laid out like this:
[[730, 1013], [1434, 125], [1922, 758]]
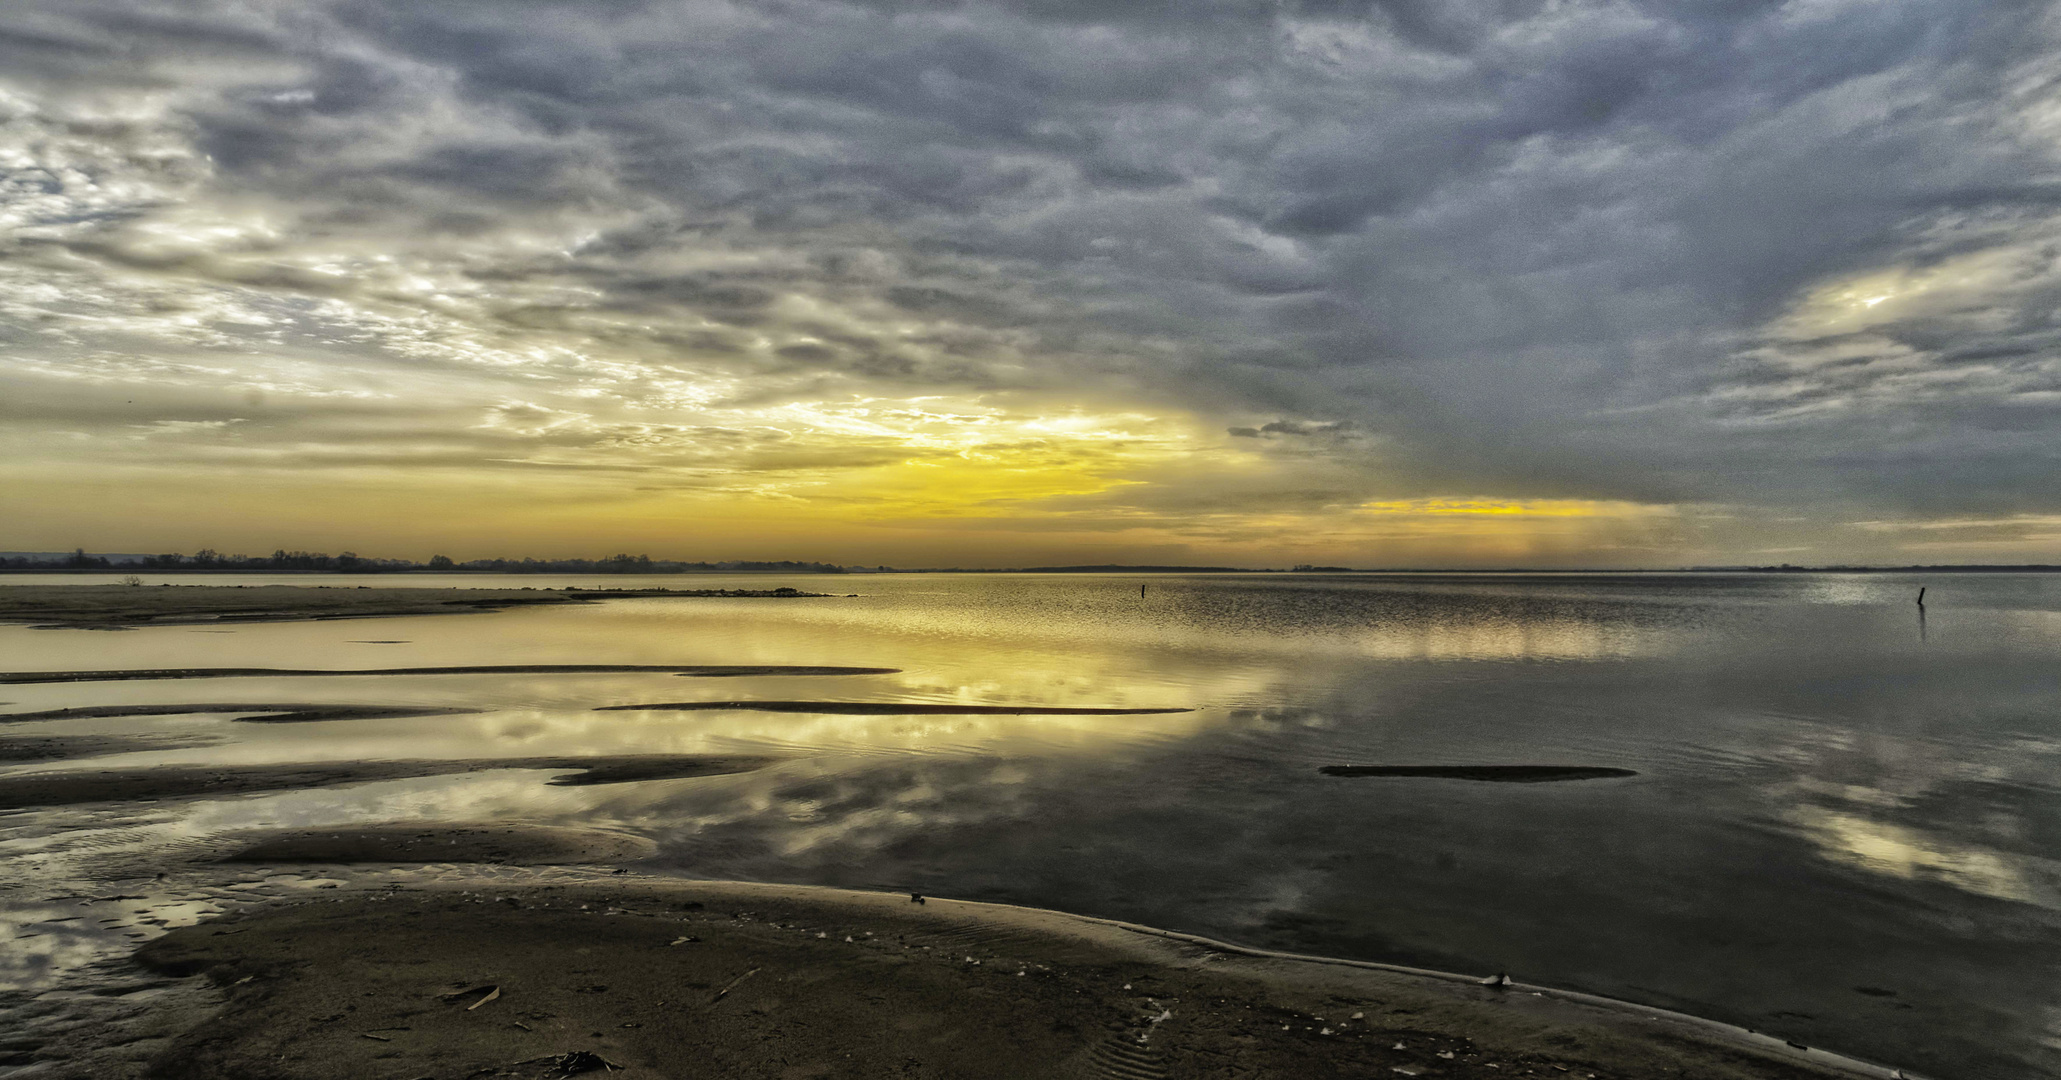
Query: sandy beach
[[671, 978]]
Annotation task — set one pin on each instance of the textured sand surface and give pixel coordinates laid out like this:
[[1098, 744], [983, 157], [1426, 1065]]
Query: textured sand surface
[[693, 979]]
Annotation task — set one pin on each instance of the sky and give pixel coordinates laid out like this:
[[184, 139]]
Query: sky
[[1434, 283]]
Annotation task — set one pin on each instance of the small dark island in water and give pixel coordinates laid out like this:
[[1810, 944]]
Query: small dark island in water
[[1495, 774]]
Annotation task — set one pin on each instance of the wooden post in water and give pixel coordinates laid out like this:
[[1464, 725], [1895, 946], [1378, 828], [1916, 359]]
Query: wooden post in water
[[1921, 596]]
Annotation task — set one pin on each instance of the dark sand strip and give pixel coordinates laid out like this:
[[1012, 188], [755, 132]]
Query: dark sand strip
[[1495, 774], [879, 708], [15, 750], [189, 781], [695, 671], [106, 607], [629, 768], [249, 714], [439, 842], [706, 979]]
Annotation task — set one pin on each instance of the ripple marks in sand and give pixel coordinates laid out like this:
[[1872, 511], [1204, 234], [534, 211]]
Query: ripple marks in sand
[[1122, 1057], [696, 671], [1495, 774], [883, 708]]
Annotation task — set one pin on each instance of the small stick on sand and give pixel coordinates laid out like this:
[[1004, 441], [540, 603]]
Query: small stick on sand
[[733, 985]]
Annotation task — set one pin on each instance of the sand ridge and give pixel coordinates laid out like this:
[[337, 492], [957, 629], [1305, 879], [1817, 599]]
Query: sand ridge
[[82, 785], [703, 671], [668, 978]]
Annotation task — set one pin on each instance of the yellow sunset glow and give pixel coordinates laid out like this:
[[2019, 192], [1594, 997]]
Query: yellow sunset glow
[[1507, 508]]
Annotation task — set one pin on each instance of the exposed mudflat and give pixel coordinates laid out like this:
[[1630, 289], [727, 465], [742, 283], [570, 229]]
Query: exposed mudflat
[[439, 842], [881, 708], [17, 749], [701, 671], [243, 712], [70, 787], [1494, 774]]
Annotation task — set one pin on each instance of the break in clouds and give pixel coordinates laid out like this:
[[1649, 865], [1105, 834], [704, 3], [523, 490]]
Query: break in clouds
[[1730, 265]]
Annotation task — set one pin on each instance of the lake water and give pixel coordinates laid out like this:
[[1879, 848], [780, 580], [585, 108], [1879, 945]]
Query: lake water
[[1842, 829]]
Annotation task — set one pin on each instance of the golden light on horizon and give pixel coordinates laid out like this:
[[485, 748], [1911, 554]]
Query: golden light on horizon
[[1510, 507]]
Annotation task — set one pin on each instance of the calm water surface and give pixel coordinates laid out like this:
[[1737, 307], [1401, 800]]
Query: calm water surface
[[1842, 829]]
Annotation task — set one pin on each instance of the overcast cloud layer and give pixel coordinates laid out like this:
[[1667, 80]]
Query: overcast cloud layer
[[1399, 281]]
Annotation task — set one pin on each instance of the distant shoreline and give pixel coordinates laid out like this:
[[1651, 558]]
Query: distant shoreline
[[1949, 568], [122, 607]]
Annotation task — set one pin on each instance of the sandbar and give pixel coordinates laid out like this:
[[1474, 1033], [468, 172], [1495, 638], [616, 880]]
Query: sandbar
[[437, 842], [694, 671], [1494, 774], [109, 607], [74, 786], [241, 712], [881, 708], [23, 748], [668, 978]]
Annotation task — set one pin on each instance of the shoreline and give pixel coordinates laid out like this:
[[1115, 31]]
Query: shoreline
[[661, 975], [1746, 1038]]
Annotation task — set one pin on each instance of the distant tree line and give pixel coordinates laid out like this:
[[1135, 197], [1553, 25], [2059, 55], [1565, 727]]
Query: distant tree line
[[208, 559], [628, 564]]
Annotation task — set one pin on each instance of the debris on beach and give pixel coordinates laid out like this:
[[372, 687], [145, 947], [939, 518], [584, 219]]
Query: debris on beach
[[724, 992], [574, 1063], [486, 991]]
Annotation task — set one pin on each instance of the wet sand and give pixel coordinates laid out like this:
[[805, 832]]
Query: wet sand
[[114, 607], [1494, 774], [668, 978], [249, 713], [692, 671], [880, 708], [16, 750], [438, 842], [71, 787]]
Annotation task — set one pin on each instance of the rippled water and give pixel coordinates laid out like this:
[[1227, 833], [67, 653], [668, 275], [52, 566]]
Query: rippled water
[[1841, 829]]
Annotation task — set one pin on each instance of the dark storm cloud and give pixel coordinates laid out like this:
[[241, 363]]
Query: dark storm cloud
[[1748, 252]]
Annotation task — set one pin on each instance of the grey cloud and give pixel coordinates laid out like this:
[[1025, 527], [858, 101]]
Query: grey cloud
[[1293, 428], [1534, 248]]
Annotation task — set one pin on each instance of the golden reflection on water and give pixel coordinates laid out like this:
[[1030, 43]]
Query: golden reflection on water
[[1565, 640], [1787, 722], [1082, 643], [1118, 629], [1883, 848], [1859, 799]]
